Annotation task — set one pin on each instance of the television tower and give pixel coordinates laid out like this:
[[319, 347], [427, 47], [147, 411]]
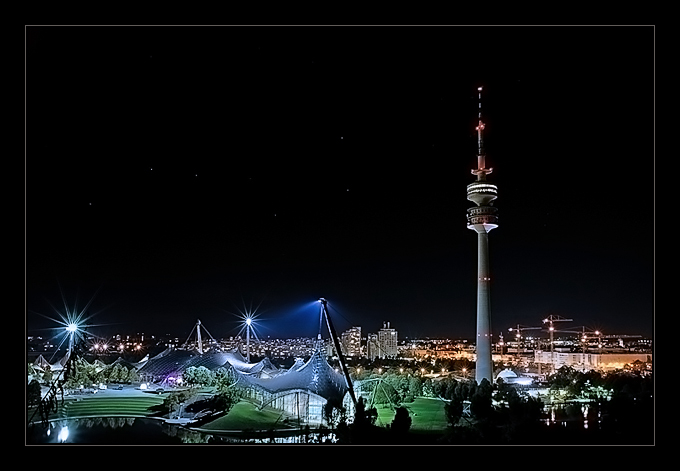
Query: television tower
[[482, 219]]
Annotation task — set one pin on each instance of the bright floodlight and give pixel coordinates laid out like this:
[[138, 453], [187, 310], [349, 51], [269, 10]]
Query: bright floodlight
[[71, 327], [249, 320], [63, 434]]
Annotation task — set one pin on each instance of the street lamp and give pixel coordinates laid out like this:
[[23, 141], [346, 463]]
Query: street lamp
[[249, 321], [71, 328]]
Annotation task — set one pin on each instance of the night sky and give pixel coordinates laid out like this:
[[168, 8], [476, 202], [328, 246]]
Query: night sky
[[179, 172]]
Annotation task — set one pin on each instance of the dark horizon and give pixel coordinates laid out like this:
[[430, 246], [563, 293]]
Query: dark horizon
[[181, 172]]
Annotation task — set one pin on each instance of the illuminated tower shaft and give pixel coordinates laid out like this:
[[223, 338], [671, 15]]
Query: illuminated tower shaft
[[482, 219]]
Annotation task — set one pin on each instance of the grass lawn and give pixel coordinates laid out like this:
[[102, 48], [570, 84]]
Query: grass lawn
[[244, 416], [111, 406], [427, 415]]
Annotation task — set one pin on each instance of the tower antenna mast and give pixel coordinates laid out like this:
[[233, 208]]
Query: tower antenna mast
[[482, 219], [481, 171]]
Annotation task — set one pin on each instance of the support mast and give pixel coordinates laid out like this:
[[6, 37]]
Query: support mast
[[199, 342], [336, 342]]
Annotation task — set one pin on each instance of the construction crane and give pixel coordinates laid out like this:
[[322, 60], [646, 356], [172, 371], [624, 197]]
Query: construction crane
[[583, 335], [551, 328], [519, 329]]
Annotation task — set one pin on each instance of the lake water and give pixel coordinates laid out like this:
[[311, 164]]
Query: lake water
[[108, 431], [138, 431]]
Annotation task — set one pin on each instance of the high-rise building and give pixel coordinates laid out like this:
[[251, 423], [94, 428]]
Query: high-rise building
[[383, 344], [372, 347], [482, 219], [351, 342]]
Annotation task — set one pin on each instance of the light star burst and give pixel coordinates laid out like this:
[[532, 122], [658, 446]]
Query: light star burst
[[72, 322]]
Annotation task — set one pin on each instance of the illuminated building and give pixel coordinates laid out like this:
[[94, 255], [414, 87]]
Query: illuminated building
[[302, 391], [351, 342], [383, 344], [482, 219], [589, 361]]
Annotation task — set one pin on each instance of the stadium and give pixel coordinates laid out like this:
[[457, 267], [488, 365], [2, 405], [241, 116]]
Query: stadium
[[300, 391]]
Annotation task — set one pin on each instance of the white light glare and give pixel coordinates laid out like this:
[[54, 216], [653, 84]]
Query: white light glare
[[63, 434], [71, 328]]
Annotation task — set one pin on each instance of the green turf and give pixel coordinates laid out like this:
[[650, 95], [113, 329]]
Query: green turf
[[111, 406], [426, 414], [245, 416]]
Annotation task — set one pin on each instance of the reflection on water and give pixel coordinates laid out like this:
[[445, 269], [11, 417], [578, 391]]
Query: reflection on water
[[103, 430], [145, 431], [583, 414], [270, 438]]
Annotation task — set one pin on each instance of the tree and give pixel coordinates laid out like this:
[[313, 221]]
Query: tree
[[480, 401], [33, 392], [402, 422], [384, 393], [438, 388], [47, 375], [451, 385], [428, 390], [225, 378], [334, 413], [133, 376], [454, 409], [228, 392], [364, 423], [415, 386], [124, 374], [115, 373], [197, 376], [172, 402]]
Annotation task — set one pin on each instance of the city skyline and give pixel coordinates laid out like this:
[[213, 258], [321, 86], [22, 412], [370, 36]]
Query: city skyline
[[176, 172]]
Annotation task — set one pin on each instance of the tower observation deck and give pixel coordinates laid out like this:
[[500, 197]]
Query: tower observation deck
[[482, 219]]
